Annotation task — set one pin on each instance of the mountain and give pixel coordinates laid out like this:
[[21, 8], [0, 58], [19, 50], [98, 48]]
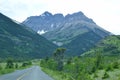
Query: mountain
[[108, 46], [45, 22], [19, 42], [76, 32], [82, 43]]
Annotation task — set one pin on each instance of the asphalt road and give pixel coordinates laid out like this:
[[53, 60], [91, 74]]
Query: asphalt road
[[33, 73]]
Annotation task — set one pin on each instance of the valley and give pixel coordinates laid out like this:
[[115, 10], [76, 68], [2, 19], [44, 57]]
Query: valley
[[65, 47]]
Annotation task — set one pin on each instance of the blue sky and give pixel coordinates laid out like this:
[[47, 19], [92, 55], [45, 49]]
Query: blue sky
[[106, 13]]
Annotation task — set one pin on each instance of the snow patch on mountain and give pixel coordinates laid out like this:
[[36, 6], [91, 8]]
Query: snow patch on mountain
[[41, 32]]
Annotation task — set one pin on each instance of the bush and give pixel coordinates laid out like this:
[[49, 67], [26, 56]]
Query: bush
[[116, 65], [10, 63], [101, 67], [93, 69], [109, 68], [105, 75], [25, 64], [16, 65], [0, 67], [95, 75], [83, 76]]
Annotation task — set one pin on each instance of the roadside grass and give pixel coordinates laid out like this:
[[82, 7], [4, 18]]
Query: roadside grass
[[112, 74], [109, 69], [4, 70], [57, 75]]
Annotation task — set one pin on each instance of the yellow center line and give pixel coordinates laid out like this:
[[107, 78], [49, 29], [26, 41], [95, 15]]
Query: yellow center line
[[26, 73]]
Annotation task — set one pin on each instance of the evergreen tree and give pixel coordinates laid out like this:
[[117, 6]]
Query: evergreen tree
[[10, 63], [16, 65], [58, 57]]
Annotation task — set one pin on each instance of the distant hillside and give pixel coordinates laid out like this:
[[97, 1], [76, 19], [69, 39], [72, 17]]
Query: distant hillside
[[108, 46], [20, 42], [82, 43]]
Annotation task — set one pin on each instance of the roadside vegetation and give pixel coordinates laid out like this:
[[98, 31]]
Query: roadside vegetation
[[96, 67], [10, 65]]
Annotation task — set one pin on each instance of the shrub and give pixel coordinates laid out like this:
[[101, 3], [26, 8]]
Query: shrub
[[10, 63], [16, 65], [93, 69], [105, 75], [24, 64], [109, 68], [116, 65], [95, 75], [0, 67], [101, 67]]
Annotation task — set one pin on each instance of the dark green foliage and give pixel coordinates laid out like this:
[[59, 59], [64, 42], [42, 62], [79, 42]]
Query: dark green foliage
[[69, 61], [46, 59], [98, 60], [58, 57], [19, 42], [29, 63], [16, 65], [24, 64], [109, 68], [51, 64], [95, 75], [115, 65], [97, 63], [0, 67], [93, 70], [83, 76], [10, 63], [106, 75]]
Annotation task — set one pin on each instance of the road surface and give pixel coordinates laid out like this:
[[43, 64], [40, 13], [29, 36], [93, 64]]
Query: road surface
[[33, 73]]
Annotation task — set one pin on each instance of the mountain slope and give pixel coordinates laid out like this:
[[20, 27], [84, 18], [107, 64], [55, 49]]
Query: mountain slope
[[108, 46], [19, 42], [66, 30], [61, 29], [82, 43]]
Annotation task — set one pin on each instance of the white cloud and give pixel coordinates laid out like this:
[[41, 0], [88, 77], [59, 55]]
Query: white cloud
[[105, 13]]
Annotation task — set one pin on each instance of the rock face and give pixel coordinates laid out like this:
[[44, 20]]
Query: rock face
[[45, 22], [64, 30], [48, 22], [20, 42]]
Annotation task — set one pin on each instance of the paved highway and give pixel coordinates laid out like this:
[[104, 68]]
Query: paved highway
[[33, 73]]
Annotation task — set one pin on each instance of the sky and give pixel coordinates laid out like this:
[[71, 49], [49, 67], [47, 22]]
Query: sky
[[106, 13]]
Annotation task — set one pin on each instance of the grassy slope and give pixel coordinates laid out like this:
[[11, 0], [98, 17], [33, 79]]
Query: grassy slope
[[109, 46], [19, 42]]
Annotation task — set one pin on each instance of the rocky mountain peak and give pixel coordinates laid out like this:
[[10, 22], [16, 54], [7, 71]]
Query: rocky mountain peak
[[49, 22], [59, 15], [46, 13], [78, 16]]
